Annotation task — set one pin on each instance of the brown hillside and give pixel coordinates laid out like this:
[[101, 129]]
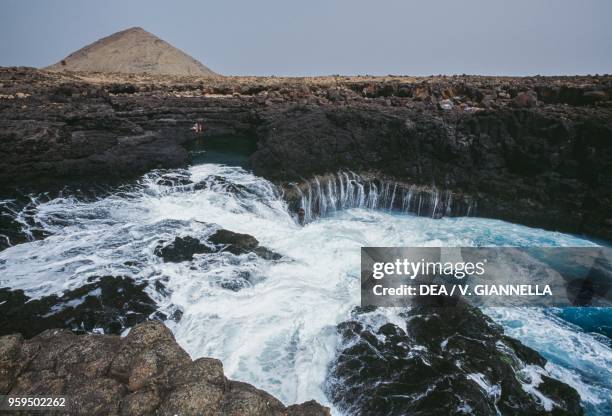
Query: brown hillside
[[132, 51]]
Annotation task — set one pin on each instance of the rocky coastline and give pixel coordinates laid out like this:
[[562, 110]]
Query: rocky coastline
[[70, 346], [451, 357], [444, 360], [536, 150], [145, 373]]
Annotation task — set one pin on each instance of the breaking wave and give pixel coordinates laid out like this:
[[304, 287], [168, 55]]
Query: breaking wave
[[278, 330]]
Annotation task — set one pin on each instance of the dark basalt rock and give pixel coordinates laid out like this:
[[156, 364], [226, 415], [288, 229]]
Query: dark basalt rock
[[237, 244], [448, 360], [237, 281], [110, 303], [533, 150], [216, 182], [145, 373], [180, 178], [267, 254], [10, 230], [537, 166], [182, 249]]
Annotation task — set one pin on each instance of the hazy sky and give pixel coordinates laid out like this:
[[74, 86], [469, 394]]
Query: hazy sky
[[323, 37]]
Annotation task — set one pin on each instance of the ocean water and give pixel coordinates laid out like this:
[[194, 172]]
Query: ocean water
[[278, 331]]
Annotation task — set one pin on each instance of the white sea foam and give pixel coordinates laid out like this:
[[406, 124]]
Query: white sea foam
[[480, 379], [278, 331], [532, 377], [577, 358]]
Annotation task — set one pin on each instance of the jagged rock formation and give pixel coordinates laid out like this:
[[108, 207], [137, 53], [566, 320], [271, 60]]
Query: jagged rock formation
[[144, 373], [183, 248], [446, 360], [237, 244], [110, 304], [531, 150], [132, 51], [535, 150]]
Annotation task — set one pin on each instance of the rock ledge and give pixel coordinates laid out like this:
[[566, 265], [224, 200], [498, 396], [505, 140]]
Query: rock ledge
[[145, 373]]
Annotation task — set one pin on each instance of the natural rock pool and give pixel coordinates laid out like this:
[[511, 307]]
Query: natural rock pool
[[272, 322]]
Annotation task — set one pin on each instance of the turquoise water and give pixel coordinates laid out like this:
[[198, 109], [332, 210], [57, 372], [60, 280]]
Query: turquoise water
[[278, 332]]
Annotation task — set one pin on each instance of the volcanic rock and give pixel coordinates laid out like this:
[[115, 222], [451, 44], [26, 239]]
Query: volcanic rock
[[595, 96], [446, 105], [237, 243], [446, 360], [526, 99], [182, 249], [544, 165], [109, 304], [145, 373]]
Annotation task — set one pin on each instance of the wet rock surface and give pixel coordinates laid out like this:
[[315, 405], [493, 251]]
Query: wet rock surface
[[530, 150], [145, 373], [184, 248], [109, 304], [533, 150], [237, 243], [10, 231], [446, 360], [544, 166]]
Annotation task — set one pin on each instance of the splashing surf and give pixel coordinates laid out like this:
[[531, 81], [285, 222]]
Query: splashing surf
[[278, 331]]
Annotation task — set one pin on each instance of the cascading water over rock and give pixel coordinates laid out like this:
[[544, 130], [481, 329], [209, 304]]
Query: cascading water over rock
[[325, 194], [274, 323]]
